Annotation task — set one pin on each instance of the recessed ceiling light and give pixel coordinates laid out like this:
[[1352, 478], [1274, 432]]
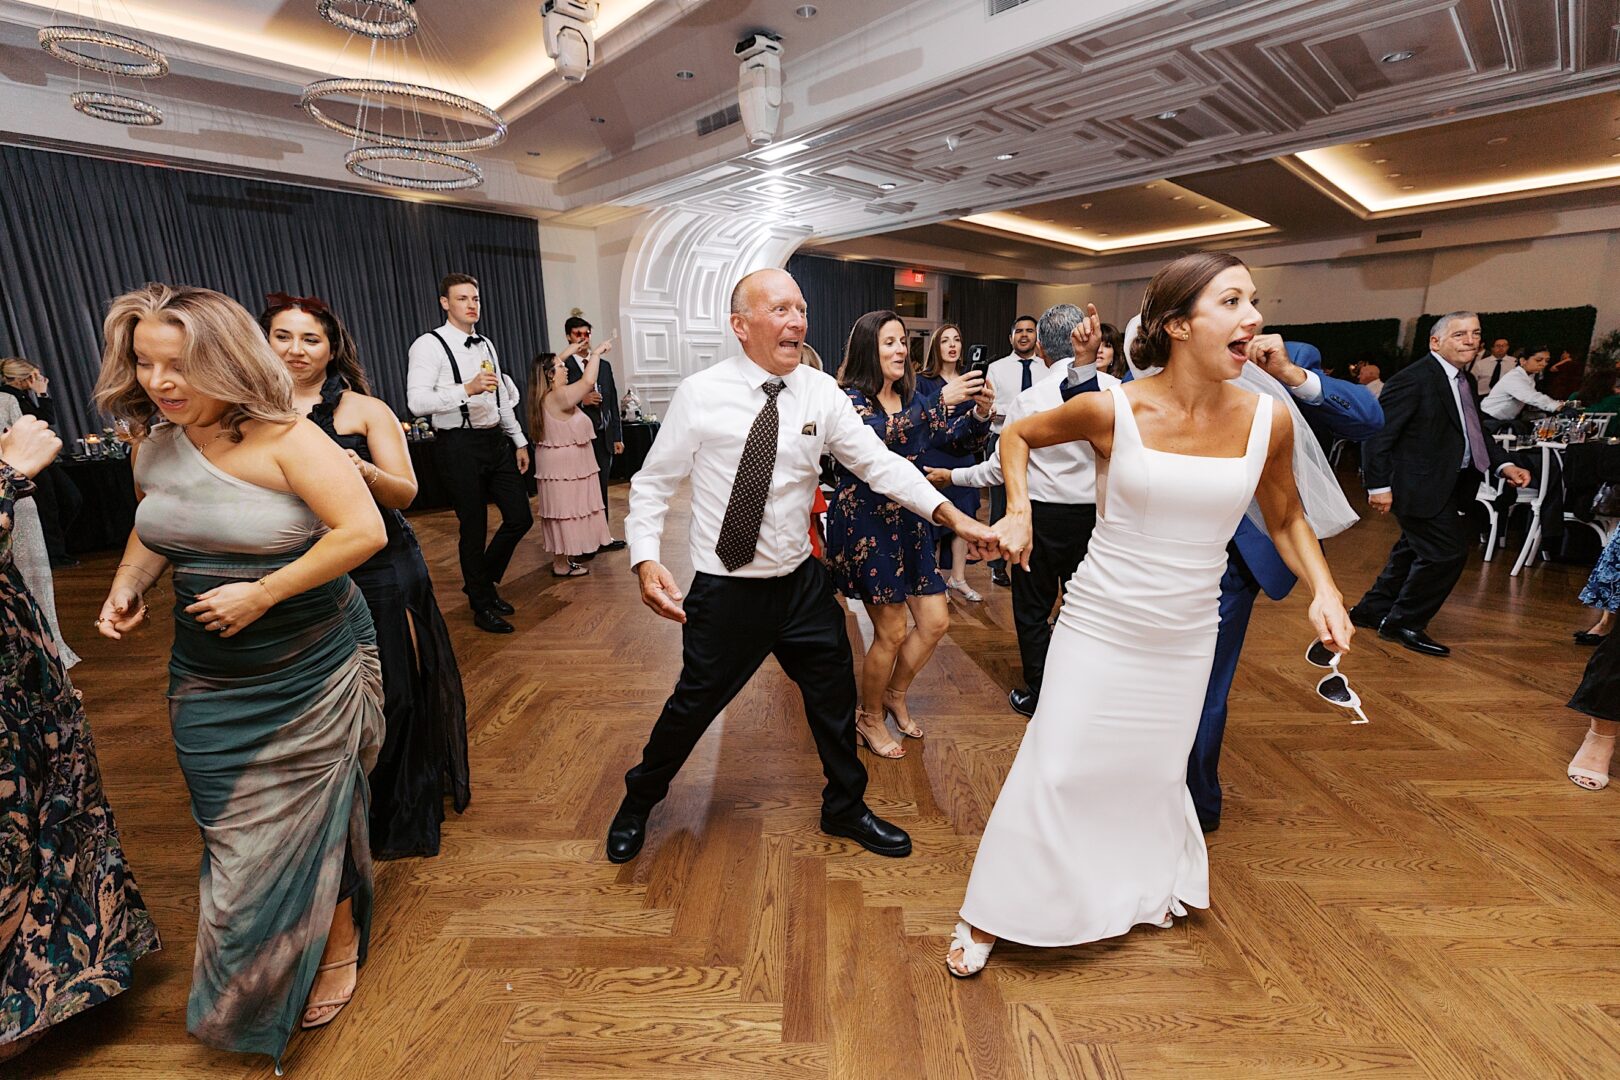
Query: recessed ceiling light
[[1102, 234], [1049, 220], [1085, 206], [1399, 57], [1503, 165], [598, 119], [888, 187], [1392, 176], [1202, 206], [1007, 156], [1177, 198], [1380, 161], [1362, 145], [806, 11], [1614, 155], [1408, 187], [1498, 141], [683, 75], [1226, 215], [1149, 187], [1169, 114]]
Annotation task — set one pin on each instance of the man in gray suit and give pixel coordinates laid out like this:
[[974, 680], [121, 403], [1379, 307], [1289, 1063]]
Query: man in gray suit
[[601, 405]]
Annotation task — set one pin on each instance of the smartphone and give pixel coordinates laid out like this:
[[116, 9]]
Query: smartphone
[[978, 359]]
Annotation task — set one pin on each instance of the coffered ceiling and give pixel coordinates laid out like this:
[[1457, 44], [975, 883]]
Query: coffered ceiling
[[1036, 132]]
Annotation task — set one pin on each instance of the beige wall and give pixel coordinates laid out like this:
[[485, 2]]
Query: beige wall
[[1553, 271]]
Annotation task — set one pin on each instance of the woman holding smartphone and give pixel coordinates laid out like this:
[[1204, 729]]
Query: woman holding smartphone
[[943, 362]]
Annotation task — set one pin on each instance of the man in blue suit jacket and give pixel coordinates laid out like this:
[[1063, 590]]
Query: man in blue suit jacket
[[1334, 409]]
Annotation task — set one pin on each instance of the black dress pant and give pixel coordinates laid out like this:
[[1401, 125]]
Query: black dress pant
[[1426, 561], [603, 448], [478, 464], [1061, 532], [732, 624]]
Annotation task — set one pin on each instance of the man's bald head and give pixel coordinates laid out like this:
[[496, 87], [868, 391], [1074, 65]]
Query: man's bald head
[[742, 297], [769, 318]]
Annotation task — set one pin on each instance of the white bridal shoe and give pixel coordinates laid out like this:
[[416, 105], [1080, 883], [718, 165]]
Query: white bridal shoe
[[974, 953]]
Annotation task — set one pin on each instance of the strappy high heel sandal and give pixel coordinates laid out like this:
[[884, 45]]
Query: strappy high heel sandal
[[965, 591], [894, 752], [974, 953], [1587, 779], [313, 1006], [912, 732]]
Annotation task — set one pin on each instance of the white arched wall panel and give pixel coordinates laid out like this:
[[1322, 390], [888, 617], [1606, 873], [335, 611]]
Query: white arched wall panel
[[675, 291]]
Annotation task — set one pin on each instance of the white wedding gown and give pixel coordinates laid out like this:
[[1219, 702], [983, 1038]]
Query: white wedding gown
[[1094, 830]]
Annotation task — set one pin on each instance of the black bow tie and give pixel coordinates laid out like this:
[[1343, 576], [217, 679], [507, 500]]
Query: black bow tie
[[474, 340]]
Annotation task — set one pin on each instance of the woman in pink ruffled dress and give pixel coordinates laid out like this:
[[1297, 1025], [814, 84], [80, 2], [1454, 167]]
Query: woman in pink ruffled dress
[[573, 519]]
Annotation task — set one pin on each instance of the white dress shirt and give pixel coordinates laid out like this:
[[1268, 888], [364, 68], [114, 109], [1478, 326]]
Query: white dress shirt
[[1375, 387], [703, 434], [1061, 473], [1006, 378], [1456, 395], [432, 388], [1483, 370], [1512, 392]]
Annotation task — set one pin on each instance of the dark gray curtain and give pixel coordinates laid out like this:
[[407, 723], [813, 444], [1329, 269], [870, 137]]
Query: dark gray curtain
[[985, 311], [77, 231], [839, 291]]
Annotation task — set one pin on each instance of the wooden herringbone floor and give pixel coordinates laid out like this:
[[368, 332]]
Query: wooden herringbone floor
[[1426, 896]]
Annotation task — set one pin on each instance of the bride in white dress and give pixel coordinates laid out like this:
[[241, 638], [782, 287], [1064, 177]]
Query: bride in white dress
[[1094, 830]]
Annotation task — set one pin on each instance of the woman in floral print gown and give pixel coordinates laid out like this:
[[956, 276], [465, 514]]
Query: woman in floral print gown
[[72, 922], [879, 552]]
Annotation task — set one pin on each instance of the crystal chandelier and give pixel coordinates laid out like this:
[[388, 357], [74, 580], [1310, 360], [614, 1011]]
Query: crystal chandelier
[[467, 124], [67, 43], [398, 18], [356, 162]]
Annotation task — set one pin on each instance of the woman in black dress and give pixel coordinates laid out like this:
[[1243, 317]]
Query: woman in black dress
[[424, 755], [942, 363]]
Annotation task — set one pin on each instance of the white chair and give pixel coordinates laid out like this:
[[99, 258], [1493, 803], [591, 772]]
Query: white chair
[[1486, 496], [1532, 497], [1602, 419]]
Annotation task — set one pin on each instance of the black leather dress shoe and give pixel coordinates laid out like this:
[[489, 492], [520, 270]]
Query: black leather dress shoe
[[501, 607], [488, 619], [626, 835], [1363, 619], [1586, 637], [999, 576], [1022, 701], [1416, 640], [871, 832], [1208, 824], [612, 545]]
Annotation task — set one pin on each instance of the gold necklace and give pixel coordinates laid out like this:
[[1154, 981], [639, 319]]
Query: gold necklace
[[208, 442]]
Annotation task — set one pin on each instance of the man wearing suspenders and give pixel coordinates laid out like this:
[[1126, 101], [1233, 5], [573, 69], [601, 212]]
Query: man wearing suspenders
[[455, 377]]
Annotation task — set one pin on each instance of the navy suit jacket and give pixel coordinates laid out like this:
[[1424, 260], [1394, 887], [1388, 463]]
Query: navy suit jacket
[[1347, 411]]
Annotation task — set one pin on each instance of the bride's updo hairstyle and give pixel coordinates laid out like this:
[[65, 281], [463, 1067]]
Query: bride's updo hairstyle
[[1171, 296]]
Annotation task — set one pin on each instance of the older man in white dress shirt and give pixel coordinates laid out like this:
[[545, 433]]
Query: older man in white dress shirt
[[750, 432], [1062, 492]]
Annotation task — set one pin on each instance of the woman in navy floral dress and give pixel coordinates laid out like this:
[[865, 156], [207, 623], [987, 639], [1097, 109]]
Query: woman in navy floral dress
[[941, 363], [879, 552], [72, 923]]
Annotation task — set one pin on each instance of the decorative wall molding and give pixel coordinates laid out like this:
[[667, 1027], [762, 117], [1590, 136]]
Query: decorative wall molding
[[675, 291]]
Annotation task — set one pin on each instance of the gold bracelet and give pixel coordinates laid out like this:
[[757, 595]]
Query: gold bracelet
[[273, 601], [137, 568], [371, 481]]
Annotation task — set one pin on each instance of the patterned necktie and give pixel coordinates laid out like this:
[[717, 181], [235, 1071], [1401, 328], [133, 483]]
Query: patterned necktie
[[739, 532], [1471, 425], [1027, 379]]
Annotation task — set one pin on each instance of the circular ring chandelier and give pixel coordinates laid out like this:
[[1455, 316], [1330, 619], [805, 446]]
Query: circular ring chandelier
[[397, 20], [117, 108], [316, 92], [57, 40], [356, 162]]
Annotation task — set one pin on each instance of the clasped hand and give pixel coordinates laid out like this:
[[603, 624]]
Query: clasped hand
[[229, 608]]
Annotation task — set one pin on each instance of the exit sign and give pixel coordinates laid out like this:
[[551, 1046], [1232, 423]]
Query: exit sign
[[915, 277]]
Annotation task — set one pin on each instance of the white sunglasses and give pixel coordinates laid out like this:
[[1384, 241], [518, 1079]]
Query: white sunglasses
[[1334, 687]]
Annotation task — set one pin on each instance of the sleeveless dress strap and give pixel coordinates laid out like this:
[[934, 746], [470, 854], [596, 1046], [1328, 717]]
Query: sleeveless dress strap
[[1124, 419]]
